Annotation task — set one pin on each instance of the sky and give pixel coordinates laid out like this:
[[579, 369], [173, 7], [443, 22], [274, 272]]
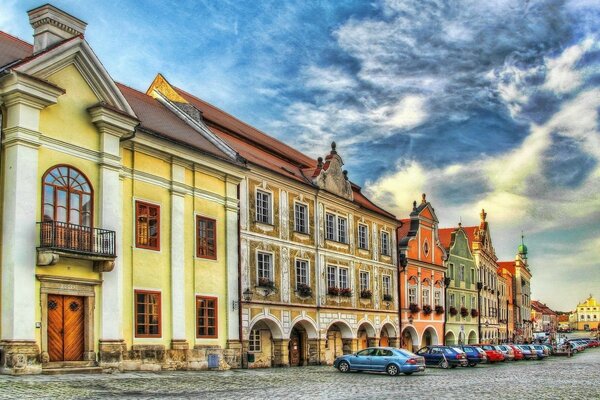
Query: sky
[[479, 104]]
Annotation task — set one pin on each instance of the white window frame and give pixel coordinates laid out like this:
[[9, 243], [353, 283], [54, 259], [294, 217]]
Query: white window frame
[[386, 284], [331, 273], [473, 303], [306, 272], [412, 294], [426, 295], [269, 207], [306, 229], [335, 232], [330, 230], [254, 341], [342, 229], [364, 280], [271, 266], [437, 297], [385, 243], [452, 300], [461, 273], [345, 276], [363, 236], [463, 301]]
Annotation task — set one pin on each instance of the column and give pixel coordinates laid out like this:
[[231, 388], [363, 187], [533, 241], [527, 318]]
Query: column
[[112, 126], [349, 346], [178, 338], [372, 341], [23, 98], [231, 227], [316, 351], [281, 353]]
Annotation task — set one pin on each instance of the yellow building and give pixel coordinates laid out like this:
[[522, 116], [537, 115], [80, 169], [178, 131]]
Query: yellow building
[[119, 219], [587, 315], [318, 265]]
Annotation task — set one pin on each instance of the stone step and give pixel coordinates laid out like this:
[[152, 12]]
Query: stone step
[[72, 370]]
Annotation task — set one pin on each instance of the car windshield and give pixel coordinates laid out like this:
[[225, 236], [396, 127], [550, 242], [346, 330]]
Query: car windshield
[[405, 352], [448, 350]]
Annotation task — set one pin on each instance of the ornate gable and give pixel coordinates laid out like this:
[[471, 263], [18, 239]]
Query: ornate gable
[[329, 175]]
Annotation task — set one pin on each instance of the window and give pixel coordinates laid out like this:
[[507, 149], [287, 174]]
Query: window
[[385, 243], [426, 296], [301, 217], [451, 299], [463, 301], [336, 228], [437, 298], [263, 207], [331, 273], [412, 295], [363, 237], [461, 273], [343, 278], [451, 271], [472, 276], [473, 303], [265, 266], [206, 317], [254, 342], [301, 272], [386, 285], [147, 226], [206, 238], [342, 229], [364, 280], [67, 196], [147, 314]]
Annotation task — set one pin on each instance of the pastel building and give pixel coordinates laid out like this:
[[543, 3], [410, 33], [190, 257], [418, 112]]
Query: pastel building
[[587, 314]]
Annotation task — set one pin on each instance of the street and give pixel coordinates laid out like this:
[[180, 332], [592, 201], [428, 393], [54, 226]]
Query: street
[[556, 377]]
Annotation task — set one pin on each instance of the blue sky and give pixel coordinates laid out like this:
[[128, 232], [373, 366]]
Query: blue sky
[[478, 104]]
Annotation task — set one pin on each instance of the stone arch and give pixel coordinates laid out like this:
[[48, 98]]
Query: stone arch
[[387, 335], [430, 337], [309, 326], [339, 340], [272, 323], [343, 327], [265, 345], [472, 338], [450, 338], [410, 339], [303, 347], [365, 334]]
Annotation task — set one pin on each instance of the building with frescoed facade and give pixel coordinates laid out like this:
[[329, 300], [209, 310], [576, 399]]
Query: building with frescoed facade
[[587, 315], [318, 275], [509, 314], [421, 278], [119, 221], [461, 308]]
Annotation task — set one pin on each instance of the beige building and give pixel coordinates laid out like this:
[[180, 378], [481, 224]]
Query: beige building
[[587, 315]]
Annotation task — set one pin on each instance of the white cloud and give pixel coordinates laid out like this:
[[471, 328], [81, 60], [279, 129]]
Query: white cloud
[[406, 113], [329, 79], [562, 75]]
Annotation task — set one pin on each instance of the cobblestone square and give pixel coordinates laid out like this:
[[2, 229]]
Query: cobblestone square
[[554, 378]]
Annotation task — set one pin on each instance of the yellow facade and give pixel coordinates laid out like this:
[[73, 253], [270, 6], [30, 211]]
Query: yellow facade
[[588, 315]]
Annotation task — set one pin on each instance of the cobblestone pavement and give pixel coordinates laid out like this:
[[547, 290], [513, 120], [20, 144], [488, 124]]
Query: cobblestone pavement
[[554, 378]]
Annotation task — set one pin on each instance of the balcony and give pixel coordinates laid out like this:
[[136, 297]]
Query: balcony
[[75, 241]]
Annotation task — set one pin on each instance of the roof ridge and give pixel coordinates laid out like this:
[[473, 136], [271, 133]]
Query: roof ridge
[[16, 39]]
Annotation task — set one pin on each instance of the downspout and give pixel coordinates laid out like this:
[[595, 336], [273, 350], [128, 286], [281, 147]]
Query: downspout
[[479, 287], [125, 138], [446, 284], [239, 279], [399, 292], [507, 320]]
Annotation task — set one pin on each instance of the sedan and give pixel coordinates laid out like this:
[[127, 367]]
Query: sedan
[[508, 352], [528, 353], [444, 356], [475, 355], [493, 355], [381, 359], [518, 353]]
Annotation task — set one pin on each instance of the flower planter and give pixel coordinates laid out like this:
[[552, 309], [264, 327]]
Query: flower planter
[[439, 310], [388, 297], [414, 308], [304, 290], [366, 294], [346, 292], [453, 311], [427, 309], [474, 313], [464, 312]]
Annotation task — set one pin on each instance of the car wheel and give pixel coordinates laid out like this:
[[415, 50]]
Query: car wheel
[[344, 366], [392, 370], [445, 364]]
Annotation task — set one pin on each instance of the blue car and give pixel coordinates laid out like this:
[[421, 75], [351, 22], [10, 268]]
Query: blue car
[[381, 359], [528, 352], [475, 355], [443, 356]]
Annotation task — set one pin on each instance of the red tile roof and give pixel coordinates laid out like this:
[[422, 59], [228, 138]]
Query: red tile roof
[[508, 265], [445, 235], [403, 229], [157, 119], [13, 49]]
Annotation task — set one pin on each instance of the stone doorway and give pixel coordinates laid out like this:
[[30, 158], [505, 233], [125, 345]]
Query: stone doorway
[[297, 347]]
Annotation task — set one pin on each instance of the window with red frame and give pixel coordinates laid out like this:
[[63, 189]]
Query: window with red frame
[[147, 314], [206, 317], [147, 226], [206, 238]]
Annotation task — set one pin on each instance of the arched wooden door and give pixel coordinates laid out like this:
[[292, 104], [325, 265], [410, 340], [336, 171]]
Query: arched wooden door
[[295, 348], [66, 333]]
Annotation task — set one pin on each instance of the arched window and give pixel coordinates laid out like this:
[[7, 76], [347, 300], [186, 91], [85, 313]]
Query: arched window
[[67, 196]]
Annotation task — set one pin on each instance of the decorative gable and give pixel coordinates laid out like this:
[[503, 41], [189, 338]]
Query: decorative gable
[[329, 175]]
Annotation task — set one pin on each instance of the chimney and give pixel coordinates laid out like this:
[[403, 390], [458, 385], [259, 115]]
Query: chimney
[[51, 25]]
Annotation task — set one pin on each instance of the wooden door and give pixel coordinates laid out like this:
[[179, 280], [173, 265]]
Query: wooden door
[[384, 341], [295, 350], [66, 333]]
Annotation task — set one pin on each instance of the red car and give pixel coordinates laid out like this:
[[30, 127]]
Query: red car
[[518, 352], [593, 343], [493, 355]]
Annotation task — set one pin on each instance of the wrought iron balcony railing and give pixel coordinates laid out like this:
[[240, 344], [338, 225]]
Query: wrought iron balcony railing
[[77, 239]]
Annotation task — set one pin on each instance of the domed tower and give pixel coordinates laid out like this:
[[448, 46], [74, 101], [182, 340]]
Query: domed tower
[[523, 248]]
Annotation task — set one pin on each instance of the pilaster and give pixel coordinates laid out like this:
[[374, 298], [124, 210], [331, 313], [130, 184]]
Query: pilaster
[[232, 229], [177, 253]]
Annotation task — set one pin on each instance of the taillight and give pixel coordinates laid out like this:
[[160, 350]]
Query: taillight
[[479, 355], [411, 361]]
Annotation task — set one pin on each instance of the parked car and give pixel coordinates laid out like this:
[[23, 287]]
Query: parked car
[[541, 350], [528, 353], [493, 355], [537, 354], [475, 355], [381, 359], [443, 356], [550, 348], [593, 343], [518, 353], [508, 352]]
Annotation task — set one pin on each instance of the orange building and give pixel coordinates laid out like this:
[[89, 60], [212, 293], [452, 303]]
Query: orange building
[[422, 273], [509, 315]]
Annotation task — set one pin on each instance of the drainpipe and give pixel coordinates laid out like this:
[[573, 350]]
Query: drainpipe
[[446, 284], [239, 279], [479, 287], [402, 263], [507, 320]]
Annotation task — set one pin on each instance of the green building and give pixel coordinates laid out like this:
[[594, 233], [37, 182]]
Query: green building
[[462, 322]]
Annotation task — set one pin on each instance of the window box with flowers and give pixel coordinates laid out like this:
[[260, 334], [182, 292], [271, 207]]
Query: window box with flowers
[[427, 309], [345, 292], [388, 297], [474, 313], [333, 291], [414, 308], [439, 310], [266, 283], [304, 290], [366, 294], [453, 311], [464, 312]]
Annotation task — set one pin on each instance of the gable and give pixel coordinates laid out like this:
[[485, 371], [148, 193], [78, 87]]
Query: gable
[[427, 213], [77, 52]]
